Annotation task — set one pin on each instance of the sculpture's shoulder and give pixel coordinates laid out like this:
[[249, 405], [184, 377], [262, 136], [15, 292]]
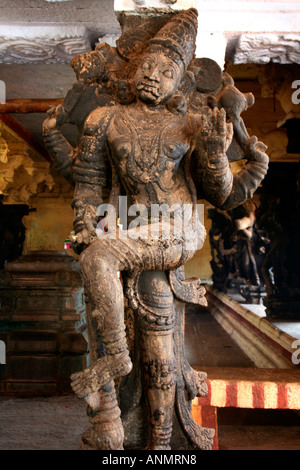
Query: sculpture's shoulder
[[98, 120]]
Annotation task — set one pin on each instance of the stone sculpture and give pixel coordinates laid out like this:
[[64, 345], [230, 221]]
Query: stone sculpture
[[158, 126], [239, 248]]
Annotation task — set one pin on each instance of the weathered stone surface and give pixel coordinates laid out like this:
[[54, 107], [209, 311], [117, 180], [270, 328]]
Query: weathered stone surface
[[262, 48]]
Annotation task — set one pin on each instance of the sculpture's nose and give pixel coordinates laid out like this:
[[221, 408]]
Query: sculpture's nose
[[153, 74]]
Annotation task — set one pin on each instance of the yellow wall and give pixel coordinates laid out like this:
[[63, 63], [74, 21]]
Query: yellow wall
[[199, 265], [49, 226]]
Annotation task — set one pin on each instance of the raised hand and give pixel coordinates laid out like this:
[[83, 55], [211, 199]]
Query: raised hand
[[255, 150], [216, 133], [56, 118]]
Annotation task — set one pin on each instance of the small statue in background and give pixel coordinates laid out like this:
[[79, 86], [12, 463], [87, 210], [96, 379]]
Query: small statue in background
[[239, 249], [158, 134]]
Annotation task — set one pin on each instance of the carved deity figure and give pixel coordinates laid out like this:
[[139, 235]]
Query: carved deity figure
[[238, 248], [153, 134]]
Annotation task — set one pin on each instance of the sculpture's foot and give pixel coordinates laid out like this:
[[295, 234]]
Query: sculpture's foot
[[107, 368]]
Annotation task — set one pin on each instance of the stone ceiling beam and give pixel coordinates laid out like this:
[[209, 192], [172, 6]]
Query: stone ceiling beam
[[39, 31], [36, 31]]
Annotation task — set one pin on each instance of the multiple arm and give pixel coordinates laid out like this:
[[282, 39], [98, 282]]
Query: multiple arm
[[90, 173], [90, 168], [220, 187], [61, 152]]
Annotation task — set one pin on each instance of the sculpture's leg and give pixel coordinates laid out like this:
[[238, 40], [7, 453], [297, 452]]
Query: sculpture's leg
[[107, 430], [100, 265], [103, 410], [160, 369], [105, 293], [157, 320]]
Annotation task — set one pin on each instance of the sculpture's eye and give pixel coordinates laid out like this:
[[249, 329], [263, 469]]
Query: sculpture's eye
[[146, 66], [168, 73]]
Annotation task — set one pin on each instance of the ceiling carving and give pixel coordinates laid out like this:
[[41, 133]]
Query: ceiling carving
[[22, 168], [262, 48]]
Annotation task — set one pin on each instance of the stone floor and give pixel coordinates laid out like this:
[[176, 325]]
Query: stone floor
[[53, 423], [57, 423]]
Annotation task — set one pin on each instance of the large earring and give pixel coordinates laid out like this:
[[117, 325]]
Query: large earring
[[177, 104]]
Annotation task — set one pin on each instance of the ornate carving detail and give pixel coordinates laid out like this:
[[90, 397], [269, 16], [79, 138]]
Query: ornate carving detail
[[23, 171], [262, 48], [239, 247], [49, 51], [161, 373], [4, 150]]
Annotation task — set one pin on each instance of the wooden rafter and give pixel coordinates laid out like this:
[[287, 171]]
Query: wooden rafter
[[22, 132], [28, 106]]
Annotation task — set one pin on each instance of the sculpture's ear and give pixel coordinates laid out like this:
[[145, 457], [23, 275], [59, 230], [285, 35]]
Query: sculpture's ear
[[177, 104], [187, 84]]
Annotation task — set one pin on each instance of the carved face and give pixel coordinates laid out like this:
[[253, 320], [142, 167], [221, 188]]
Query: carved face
[[157, 78]]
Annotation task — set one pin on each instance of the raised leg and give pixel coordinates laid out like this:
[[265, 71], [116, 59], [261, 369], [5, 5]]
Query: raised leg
[[105, 292]]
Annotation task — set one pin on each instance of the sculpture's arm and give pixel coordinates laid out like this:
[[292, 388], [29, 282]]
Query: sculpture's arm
[[246, 182], [221, 188], [90, 173], [61, 151]]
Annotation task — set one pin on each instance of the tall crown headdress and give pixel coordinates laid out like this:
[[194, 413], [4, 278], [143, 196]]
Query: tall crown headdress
[[178, 36]]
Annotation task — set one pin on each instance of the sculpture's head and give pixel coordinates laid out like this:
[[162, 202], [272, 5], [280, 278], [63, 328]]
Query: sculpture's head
[[166, 59], [157, 78]]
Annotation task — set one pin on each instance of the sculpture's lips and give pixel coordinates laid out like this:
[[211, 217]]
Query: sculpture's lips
[[148, 88]]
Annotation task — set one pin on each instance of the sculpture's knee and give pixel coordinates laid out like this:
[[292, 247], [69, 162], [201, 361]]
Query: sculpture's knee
[[87, 259], [95, 260], [156, 307]]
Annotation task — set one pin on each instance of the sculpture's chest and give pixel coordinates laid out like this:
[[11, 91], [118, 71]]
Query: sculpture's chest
[[145, 150]]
